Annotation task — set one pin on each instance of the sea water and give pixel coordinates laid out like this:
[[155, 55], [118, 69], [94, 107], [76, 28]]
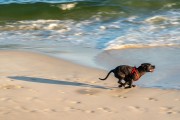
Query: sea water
[[99, 33]]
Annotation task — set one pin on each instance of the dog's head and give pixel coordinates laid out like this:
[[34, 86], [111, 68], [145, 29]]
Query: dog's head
[[147, 67]]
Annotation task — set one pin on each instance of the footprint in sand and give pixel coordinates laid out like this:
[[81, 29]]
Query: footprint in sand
[[120, 96], [21, 108], [72, 109], [34, 110], [152, 99], [168, 110], [69, 109], [87, 91], [49, 110], [34, 99], [5, 110], [137, 109], [89, 111], [7, 100], [9, 87], [75, 102], [105, 109]]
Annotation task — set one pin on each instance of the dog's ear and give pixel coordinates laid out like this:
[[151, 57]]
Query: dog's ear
[[145, 65], [142, 64]]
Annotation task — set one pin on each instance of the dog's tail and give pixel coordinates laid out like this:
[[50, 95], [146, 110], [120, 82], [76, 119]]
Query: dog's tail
[[107, 75]]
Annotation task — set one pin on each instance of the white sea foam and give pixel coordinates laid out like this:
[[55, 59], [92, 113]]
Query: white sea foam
[[138, 40], [146, 37], [156, 19], [58, 32], [169, 5], [127, 46], [67, 6], [170, 18], [37, 25]]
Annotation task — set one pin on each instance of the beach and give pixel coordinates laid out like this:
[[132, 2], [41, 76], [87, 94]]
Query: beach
[[52, 53], [101, 34], [36, 86]]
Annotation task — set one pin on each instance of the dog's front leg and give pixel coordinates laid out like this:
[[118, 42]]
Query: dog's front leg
[[130, 81]]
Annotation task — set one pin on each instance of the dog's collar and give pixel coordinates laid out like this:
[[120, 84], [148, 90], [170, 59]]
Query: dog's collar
[[135, 71]]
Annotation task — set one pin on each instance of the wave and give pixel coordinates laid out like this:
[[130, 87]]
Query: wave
[[102, 24], [38, 25], [154, 31], [60, 11], [145, 39], [78, 10], [133, 46]]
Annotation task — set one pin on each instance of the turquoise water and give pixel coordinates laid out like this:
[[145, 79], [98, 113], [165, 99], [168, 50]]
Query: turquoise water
[[104, 33]]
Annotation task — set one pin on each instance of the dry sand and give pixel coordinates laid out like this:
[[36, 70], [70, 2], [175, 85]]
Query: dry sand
[[38, 87]]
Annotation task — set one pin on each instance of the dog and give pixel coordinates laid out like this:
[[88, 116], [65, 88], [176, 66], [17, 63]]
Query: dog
[[130, 74]]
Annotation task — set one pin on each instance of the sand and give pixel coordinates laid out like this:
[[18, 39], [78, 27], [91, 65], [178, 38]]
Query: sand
[[34, 86]]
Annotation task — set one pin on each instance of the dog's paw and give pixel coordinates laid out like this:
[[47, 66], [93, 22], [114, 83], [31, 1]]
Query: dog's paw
[[127, 87], [130, 86], [120, 86]]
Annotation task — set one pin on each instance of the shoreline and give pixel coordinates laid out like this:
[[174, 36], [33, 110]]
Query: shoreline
[[109, 62], [36, 86], [79, 55]]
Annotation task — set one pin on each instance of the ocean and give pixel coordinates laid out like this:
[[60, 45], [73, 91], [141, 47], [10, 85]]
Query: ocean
[[99, 33]]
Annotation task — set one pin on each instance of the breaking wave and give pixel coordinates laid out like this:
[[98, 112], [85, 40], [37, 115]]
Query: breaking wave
[[78, 10]]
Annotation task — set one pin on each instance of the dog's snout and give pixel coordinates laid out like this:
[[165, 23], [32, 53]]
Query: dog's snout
[[153, 66]]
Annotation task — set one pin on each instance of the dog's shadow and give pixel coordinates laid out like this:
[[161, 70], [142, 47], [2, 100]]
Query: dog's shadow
[[50, 81]]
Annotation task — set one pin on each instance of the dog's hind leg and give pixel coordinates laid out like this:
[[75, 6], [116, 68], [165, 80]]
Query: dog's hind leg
[[120, 82], [120, 76]]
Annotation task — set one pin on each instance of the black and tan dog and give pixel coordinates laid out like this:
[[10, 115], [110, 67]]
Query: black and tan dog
[[130, 74]]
